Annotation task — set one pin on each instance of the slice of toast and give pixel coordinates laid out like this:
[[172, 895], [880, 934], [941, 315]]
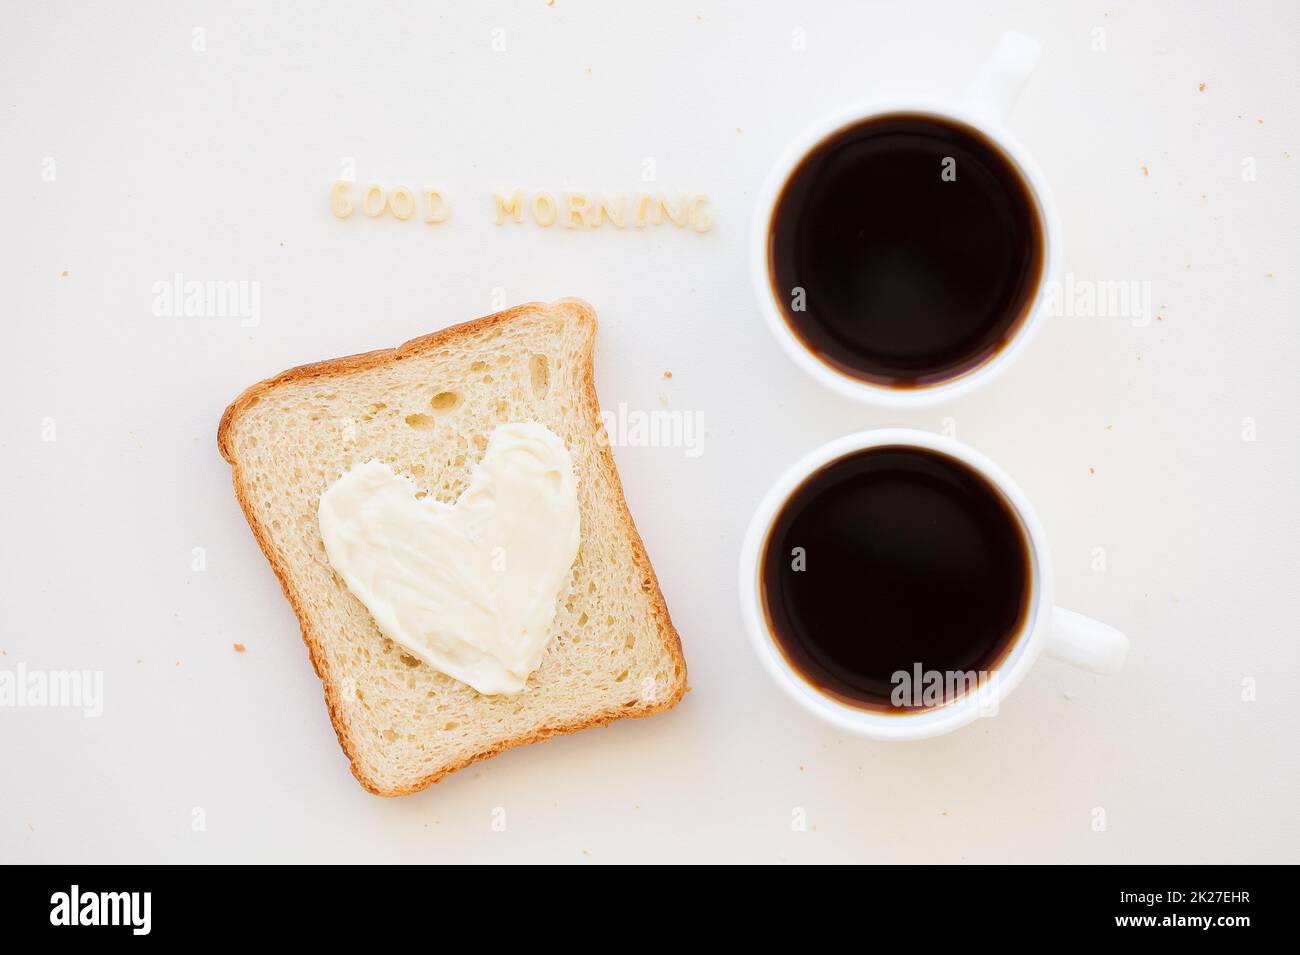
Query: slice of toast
[[427, 409]]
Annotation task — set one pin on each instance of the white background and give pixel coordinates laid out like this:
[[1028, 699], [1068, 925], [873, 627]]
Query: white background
[[217, 164]]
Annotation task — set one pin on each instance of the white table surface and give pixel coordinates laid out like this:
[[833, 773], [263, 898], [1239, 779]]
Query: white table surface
[[217, 164]]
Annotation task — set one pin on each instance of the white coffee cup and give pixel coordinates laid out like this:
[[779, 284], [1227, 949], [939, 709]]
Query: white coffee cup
[[983, 108], [1060, 633]]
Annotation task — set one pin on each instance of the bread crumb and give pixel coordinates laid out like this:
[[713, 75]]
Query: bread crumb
[[240, 648], [1201, 87], [63, 274], [1146, 171]]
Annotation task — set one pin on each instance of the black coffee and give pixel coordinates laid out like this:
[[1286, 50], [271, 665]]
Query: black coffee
[[905, 250], [891, 560]]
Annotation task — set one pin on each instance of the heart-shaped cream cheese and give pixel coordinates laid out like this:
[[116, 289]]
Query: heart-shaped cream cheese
[[470, 587]]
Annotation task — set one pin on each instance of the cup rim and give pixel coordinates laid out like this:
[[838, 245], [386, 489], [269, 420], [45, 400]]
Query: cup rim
[[873, 724], [870, 392]]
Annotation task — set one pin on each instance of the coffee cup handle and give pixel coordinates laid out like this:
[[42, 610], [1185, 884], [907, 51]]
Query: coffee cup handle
[[1086, 643], [998, 84]]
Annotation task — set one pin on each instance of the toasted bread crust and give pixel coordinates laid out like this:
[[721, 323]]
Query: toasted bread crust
[[668, 635]]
